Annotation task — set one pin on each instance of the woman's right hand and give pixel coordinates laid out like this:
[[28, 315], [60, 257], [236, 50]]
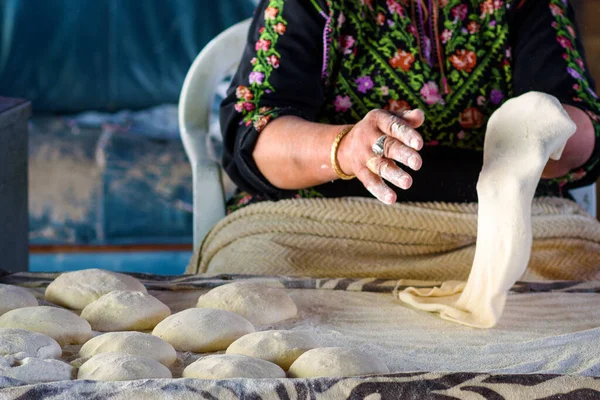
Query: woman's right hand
[[356, 157]]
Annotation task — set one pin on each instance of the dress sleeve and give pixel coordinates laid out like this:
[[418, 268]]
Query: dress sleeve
[[279, 74], [549, 57]]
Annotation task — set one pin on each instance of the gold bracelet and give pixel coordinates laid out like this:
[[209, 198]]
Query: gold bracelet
[[334, 148]]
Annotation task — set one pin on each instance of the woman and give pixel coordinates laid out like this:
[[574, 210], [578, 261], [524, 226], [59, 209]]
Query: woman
[[397, 94]]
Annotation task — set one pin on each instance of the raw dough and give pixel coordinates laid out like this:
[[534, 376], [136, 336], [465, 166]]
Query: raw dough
[[20, 344], [77, 289], [202, 330], [135, 343], [61, 325], [227, 366], [124, 310], [257, 302], [521, 136], [13, 297], [35, 370], [122, 367], [336, 361], [279, 347]]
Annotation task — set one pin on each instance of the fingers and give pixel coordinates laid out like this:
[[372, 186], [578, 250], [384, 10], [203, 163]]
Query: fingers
[[398, 128], [414, 118], [398, 151], [388, 170], [374, 184]]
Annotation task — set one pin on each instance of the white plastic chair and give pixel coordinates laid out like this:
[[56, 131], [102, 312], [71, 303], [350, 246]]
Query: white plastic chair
[[217, 60]]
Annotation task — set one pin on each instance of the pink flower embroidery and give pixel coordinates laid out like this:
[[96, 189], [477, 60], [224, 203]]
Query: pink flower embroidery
[[480, 100], [460, 12], [497, 4], [432, 143], [346, 43], [253, 61], [571, 31], [242, 92], [431, 93], [280, 28], [384, 90], [413, 30], [341, 20], [368, 3], [273, 60], [487, 7], [380, 19], [473, 27], [579, 174], [342, 104], [461, 135], [446, 35], [579, 62], [256, 77], [271, 13], [261, 122], [556, 10], [564, 42], [395, 7], [263, 45], [576, 86]]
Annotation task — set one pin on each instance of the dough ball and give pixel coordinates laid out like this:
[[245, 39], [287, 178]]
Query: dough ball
[[336, 361], [134, 343], [77, 289], [61, 325], [279, 347], [13, 297], [27, 344], [35, 370], [124, 310], [258, 303], [122, 367], [226, 366], [202, 330]]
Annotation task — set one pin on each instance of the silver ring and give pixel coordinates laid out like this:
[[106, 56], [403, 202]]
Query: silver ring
[[377, 147]]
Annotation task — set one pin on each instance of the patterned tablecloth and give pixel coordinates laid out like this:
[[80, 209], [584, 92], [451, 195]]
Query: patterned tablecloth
[[547, 345]]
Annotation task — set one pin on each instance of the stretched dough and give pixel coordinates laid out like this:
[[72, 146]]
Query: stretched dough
[[13, 297], [202, 330], [227, 366], [279, 347], [77, 289], [122, 367], [61, 325], [135, 343], [124, 310], [21, 344], [258, 303], [521, 136], [335, 362]]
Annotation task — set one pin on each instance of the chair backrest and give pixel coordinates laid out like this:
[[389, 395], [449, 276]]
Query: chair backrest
[[217, 60]]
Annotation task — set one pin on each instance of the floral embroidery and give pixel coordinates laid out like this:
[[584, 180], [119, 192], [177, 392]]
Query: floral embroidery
[[365, 83], [266, 60], [402, 60], [471, 118], [431, 93], [464, 60], [583, 92], [342, 104]]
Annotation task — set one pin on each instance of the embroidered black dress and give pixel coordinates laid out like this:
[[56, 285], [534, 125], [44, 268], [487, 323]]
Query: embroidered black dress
[[457, 60]]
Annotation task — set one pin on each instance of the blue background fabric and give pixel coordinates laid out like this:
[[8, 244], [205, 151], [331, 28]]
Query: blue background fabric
[[75, 55]]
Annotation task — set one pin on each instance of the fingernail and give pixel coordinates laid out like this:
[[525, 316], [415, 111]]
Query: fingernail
[[405, 182], [389, 198], [414, 143]]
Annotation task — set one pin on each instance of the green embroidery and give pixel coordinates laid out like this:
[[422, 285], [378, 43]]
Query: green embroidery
[[584, 93], [266, 60]]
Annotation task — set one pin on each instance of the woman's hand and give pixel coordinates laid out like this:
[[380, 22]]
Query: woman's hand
[[402, 144]]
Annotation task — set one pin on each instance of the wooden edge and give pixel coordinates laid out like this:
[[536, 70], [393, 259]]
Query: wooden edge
[[53, 249]]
